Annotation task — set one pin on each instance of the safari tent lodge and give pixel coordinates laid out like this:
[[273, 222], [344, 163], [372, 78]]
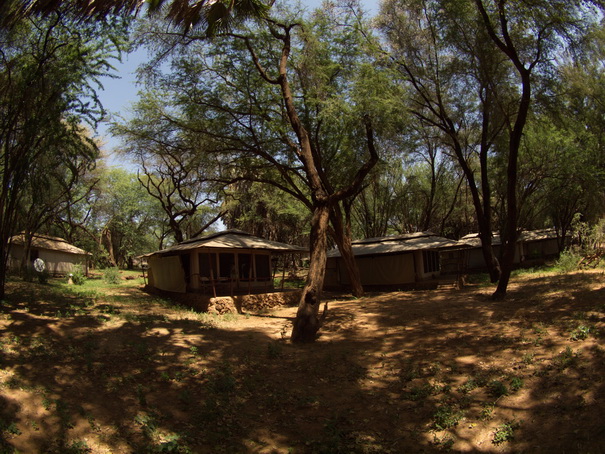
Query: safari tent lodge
[[59, 256], [534, 247], [225, 263], [412, 260]]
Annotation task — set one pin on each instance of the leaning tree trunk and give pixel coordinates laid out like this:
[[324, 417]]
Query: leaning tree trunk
[[308, 322], [510, 234], [482, 208], [342, 236]]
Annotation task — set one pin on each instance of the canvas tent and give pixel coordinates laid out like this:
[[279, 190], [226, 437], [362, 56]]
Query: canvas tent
[[533, 246], [408, 260], [59, 256], [222, 263]]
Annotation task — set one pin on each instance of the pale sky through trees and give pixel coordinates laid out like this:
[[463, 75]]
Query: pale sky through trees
[[119, 94]]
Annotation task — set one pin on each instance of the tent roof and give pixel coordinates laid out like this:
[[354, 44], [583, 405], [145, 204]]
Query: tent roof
[[52, 243], [400, 243], [230, 239], [473, 240]]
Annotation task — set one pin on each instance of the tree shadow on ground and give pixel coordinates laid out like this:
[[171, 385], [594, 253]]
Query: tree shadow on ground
[[487, 375], [118, 380], [399, 372]]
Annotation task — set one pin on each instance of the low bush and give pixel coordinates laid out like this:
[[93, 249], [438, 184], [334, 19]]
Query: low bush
[[569, 260], [77, 276], [111, 275]]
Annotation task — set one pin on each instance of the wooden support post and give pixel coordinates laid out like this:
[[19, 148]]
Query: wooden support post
[[211, 275]]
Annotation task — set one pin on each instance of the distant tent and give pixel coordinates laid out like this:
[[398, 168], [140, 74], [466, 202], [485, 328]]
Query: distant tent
[[533, 247], [222, 263], [409, 260], [59, 256]]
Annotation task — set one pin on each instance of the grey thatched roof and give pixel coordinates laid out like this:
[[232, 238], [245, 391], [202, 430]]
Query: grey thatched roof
[[231, 239], [400, 243]]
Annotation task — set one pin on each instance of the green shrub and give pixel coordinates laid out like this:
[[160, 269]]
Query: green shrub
[[505, 432], [446, 417], [77, 276], [516, 384], [581, 332], [497, 389], [468, 386], [565, 359], [569, 260], [111, 275]]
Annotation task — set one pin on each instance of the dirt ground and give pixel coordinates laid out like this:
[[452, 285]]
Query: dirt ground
[[417, 371]]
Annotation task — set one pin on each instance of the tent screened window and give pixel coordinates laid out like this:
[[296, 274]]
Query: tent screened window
[[245, 265], [263, 269], [226, 263], [431, 261], [207, 263], [186, 266]]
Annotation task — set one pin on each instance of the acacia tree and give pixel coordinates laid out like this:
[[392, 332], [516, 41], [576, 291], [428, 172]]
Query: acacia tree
[[122, 218], [451, 68], [51, 188], [276, 101], [420, 191], [574, 121], [373, 210], [47, 68], [175, 172], [473, 66], [529, 35]]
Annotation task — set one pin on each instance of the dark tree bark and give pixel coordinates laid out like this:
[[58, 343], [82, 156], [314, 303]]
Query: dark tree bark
[[307, 322], [511, 234], [106, 238], [341, 232], [482, 205], [505, 44]]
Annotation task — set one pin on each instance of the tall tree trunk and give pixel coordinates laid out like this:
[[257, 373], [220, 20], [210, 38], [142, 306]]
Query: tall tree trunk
[[485, 222], [483, 219], [342, 236], [308, 322], [506, 45], [428, 212], [108, 240], [3, 267], [8, 214], [493, 265], [323, 195], [508, 259], [510, 235]]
